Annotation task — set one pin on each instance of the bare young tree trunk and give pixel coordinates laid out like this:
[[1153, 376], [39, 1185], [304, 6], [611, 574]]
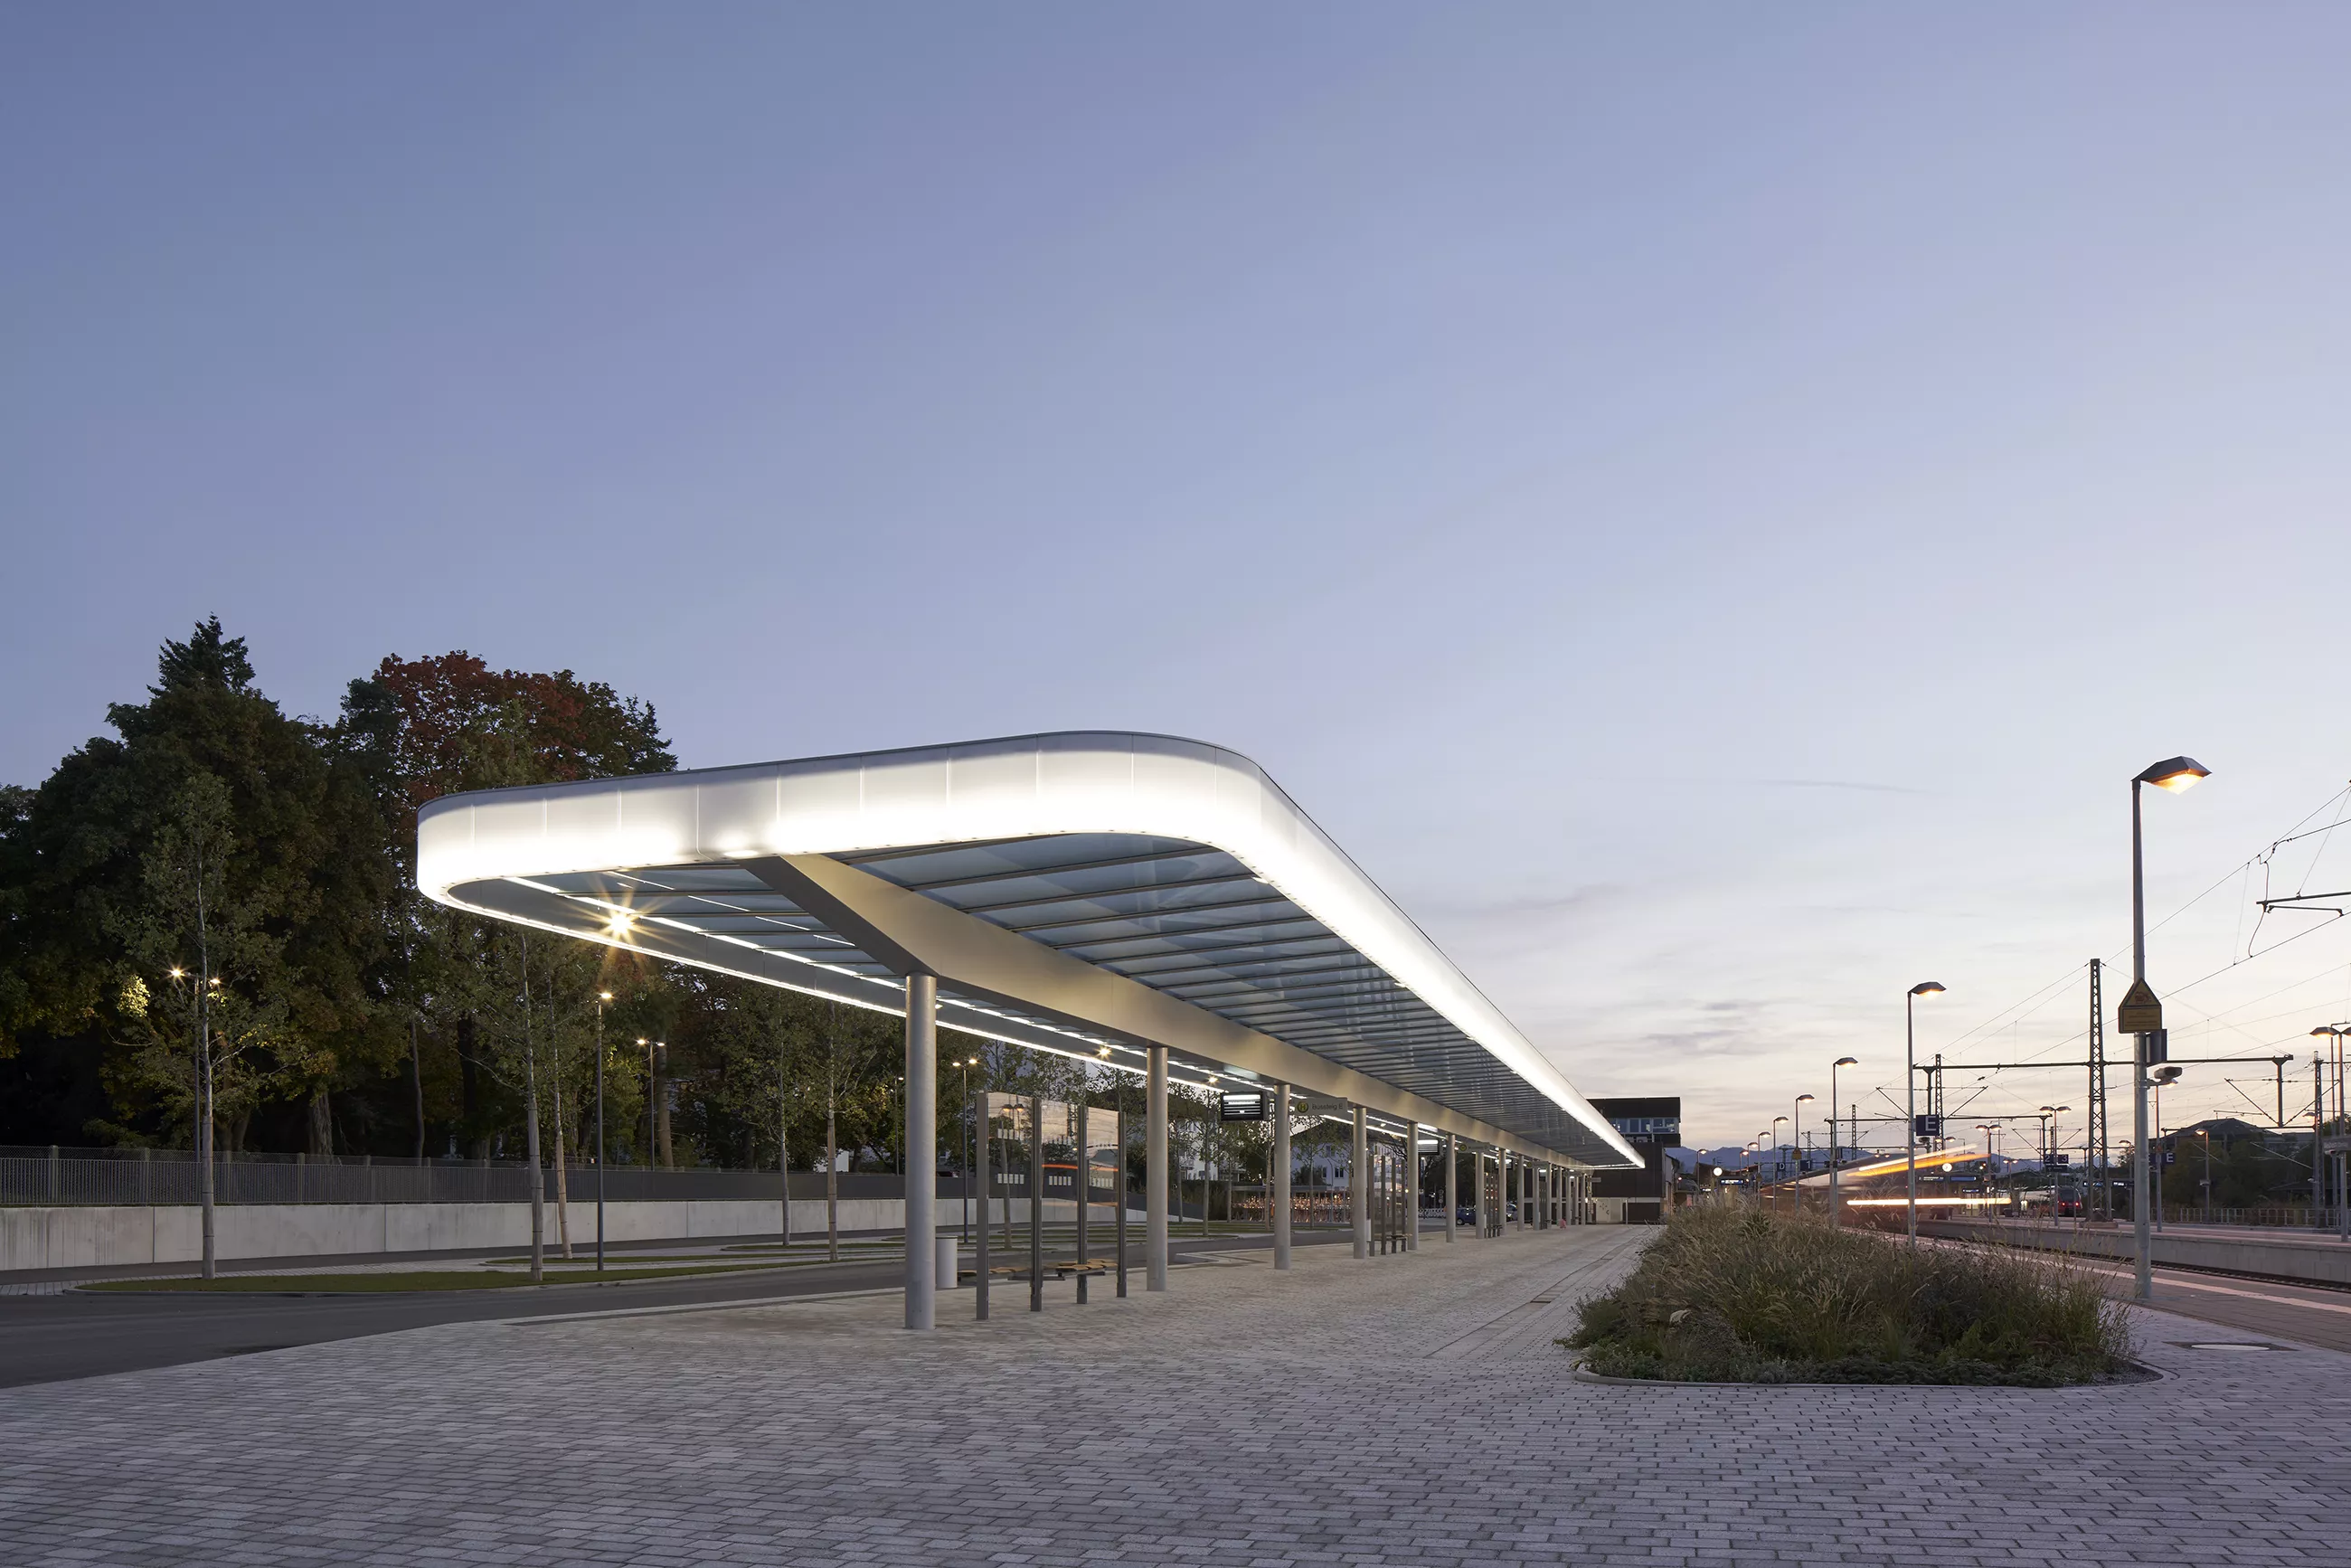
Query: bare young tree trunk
[[555, 1075], [562, 1181], [204, 1122], [832, 1173], [783, 1149], [530, 1129], [416, 1077], [203, 1060], [661, 1111]]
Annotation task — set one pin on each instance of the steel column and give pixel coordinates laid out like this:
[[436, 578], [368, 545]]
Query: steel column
[[1412, 1187], [1452, 1181], [980, 1179], [1155, 1174], [1036, 1198], [1359, 1185], [1085, 1187], [922, 1146], [1281, 1174], [1121, 1190]]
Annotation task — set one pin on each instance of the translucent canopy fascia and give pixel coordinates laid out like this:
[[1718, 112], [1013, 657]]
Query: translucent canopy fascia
[[1175, 864]]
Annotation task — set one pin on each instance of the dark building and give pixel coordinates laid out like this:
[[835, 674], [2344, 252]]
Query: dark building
[[1652, 1125]]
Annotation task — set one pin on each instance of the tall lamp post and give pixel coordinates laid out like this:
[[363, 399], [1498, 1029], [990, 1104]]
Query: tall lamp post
[[1796, 1144], [1910, 1087], [2049, 1114], [1840, 1061], [2172, 776], [2322, 1182], [1779, 1165]]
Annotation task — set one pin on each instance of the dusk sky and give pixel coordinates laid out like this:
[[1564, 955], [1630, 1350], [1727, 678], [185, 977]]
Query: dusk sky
[[1709, 505]]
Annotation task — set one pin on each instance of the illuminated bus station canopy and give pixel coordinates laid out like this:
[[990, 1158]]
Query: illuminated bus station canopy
[[1090, 893]]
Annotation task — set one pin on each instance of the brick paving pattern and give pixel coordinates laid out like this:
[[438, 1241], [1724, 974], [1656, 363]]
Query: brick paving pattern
[[1401, 1410]]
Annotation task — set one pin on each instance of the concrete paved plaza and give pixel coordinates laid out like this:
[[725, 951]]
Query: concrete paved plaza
[[1401, 1410]]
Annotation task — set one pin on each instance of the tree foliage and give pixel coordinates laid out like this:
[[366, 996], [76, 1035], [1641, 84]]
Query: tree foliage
[[354, 1015], [90, 858]]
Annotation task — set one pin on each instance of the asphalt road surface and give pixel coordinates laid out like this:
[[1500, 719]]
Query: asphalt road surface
[[47, 1339]]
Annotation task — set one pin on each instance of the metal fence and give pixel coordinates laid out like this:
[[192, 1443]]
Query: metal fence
[[134, 1176], [2280, 1216]]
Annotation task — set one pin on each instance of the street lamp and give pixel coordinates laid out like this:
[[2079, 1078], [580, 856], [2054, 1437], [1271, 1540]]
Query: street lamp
[[1779, 1165], [1796, 1143], [2172, 776], [2319, 1182], [1910, 1087], [604, 1000], [2049, 1114], [2206, 1133], [1840, 1061]]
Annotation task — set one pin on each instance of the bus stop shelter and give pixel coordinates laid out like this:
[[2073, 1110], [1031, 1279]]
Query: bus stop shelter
[[1143, 902]]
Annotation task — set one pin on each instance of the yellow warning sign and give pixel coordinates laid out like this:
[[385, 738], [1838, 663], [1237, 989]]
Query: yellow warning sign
[[2140, 1012]]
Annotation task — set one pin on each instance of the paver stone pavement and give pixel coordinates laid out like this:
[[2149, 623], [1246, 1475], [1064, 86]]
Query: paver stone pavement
[[1400, 1410]]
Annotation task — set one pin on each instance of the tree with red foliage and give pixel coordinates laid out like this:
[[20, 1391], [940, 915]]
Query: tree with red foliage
[[449, 722]]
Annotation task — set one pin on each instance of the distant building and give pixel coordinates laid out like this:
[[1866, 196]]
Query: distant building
[[1652, 1125]]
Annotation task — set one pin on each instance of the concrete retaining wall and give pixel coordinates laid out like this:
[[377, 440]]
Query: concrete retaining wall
[[2323, 1262], [91, 1236]]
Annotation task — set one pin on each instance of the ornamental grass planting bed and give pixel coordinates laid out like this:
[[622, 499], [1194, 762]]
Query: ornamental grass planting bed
[[1732, 1294]]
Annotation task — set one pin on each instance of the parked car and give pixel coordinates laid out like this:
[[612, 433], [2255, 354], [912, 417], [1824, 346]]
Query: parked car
[[1468, 1215]]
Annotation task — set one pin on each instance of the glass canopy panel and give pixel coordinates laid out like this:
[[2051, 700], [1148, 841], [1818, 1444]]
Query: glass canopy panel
[[1196, 922], [1170, 923], [1010, 857], [1168, 912]]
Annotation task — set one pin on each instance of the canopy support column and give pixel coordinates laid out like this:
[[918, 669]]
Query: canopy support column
[[1154, 1179], [1412, 1187], [1036, 1197], [982, 1135], [1085, 1182], [1359, 1185], [1281, 1174], [1452, 1182], [922, 1146]]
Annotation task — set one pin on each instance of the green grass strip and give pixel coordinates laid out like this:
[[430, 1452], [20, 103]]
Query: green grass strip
[[395, 1283]]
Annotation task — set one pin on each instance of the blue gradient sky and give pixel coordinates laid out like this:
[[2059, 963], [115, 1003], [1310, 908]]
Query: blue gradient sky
[[1709, 506]]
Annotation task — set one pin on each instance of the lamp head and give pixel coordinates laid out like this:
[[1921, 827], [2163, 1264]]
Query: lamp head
[[1802, 1098], [1845, 1062], [2177, 774], [2321, 1031], [1925, 987], [2168, 1075], [603, 995]]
